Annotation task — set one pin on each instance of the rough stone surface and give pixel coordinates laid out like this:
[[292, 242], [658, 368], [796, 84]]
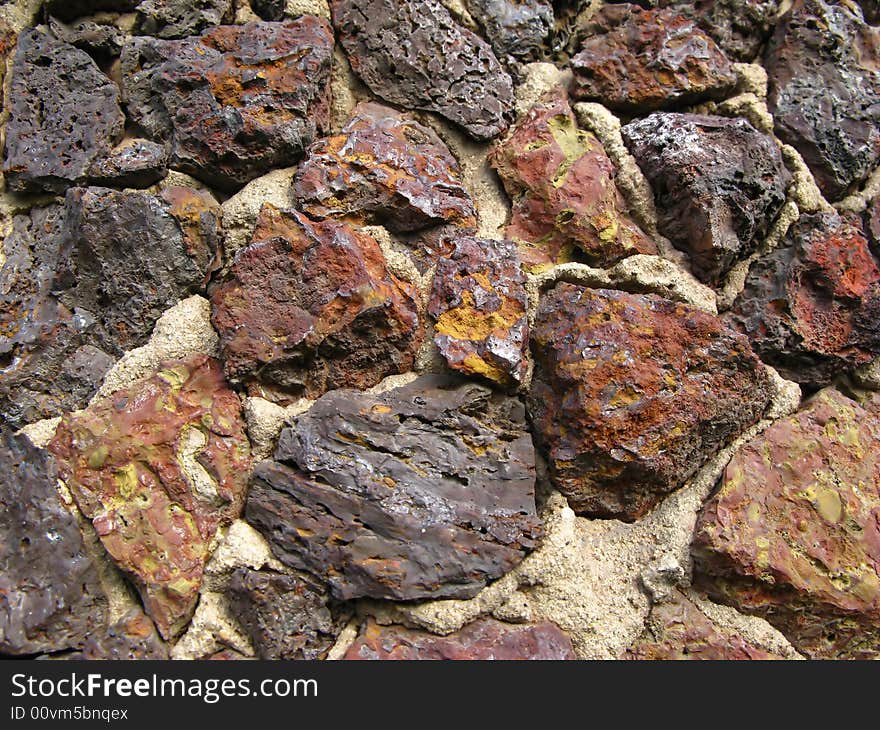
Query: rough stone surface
[[811, 306], [287, 616], [310, 306], [423, 491], [180, 18], [235, 101], [677, 630], [718, 184], [72, 9], [562, 188], [132, 637], [134, 163], [632, 393], [516, 29], [64, 115], [479, 302], [50, 595], [102, 41], [157, 468], [383, 168], [413, 54], [823, 65], [635, 60], [485, 639], [792, 535]]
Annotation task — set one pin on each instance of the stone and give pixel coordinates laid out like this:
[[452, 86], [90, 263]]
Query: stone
[[872, 223], [516, 29], [269, 9], [134, 163], [68, 10], [310, 306], [561, 184], [181, 18], [287, 616], [413, 54], [64, 115], [792, 534], [631, 393], [50, 594], [132, 637], [479, 306], [158, 468], [871, 10], [811, 307], [678, 630], [424, 491], [823, 68], [102, 41], [635, 61], [718, 185], [386, 169], [237, 100], [484, 639]]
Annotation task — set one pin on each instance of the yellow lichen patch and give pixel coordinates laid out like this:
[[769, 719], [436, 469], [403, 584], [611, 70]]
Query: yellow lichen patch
[[467, 322], [126, 480], [175, 377], [828, 505], [572, 142], [473, 364]]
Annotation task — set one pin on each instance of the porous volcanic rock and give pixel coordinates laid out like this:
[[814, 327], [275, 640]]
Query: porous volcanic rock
[[310, 306], [157, 468], [133, 636], [631, 393], [635, 61], [516, 29], [383, 168], [677, 629], [413, 54], [133, 163], [718, 184], [425, 491], [237, 100], [823, 65], [479, 302], [102, 41], [50, 595], [181, 18], [793, 536], [484, 639], [287, 616], [562, 188], [811, 307], [64, 115]]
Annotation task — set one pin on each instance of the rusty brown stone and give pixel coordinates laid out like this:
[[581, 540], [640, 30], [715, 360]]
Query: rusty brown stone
[[635, 61], [310, 306], [383, 168], [793, 534], [562, 188], [479, 302], [631, 393], [133, 636], [484, 639], [158, 468]]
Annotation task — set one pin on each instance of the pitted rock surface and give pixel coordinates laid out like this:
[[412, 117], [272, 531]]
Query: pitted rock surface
[[516, 29], [158, 468], [793, 536], [237, 100], [181, 18], [811, 307], [563, 193], [718, 184], [383, 168], [425, 491], [50, 594], [631, 393], [310, 306], [133, 636], [413, 54], [133, 163]]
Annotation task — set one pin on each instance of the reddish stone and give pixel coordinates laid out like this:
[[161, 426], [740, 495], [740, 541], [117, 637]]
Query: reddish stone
[[131, 637], [632, 393], [484, 639], [383, 168], [237, 100], [793, 534], [562, 187], [811, 307], [635, 60], [479, 302], [309, 307], [677, 630], [158, 468]]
